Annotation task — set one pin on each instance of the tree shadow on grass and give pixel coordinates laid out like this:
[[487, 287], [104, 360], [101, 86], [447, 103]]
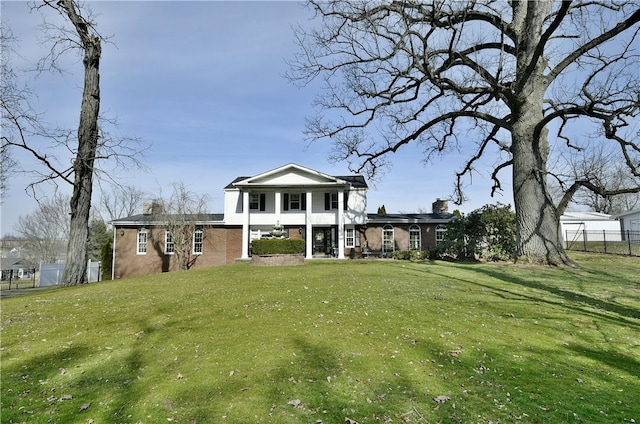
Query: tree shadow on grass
[[616, 360], [573, 297], [324, 384], [70, 385], [579, 302]]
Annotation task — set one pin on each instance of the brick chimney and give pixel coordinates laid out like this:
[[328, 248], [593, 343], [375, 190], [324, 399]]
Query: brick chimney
[[440, 206], [152, 207]]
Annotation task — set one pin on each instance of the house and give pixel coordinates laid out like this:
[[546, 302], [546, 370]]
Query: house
[[328, 212], [13, 268], [595, 226], [629, 224]]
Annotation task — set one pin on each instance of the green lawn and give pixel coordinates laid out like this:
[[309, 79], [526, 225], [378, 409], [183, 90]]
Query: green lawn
[[372, 341]]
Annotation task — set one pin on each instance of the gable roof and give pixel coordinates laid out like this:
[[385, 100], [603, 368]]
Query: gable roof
[[296, 175], [627, 213], [12, 263]]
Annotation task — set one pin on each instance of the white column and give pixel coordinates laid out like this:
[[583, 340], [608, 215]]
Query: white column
[[341, 224], [113, 257], [309, 227], [245, 225], [278, 206]]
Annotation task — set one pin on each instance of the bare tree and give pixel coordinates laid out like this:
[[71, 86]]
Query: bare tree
[[7, 167], [88, 144], [122, 201], [46, 230], [489, 78], [12, 98], [183, 214], [601, 182]]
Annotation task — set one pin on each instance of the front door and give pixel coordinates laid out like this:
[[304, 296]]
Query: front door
[[322, 241]]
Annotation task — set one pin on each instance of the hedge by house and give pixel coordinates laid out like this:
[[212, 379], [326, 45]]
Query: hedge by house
[[277, 246]]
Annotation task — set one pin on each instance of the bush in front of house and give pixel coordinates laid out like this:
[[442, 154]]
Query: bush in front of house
[[277, 246], [413, 255]]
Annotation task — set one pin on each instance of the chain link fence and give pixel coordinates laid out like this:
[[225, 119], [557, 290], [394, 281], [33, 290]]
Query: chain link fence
[[605, 241]]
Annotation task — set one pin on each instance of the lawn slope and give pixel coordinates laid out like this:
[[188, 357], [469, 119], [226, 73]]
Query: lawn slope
[[372, 341]]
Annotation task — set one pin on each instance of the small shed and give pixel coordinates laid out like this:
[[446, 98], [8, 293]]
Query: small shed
[[594, 226], [629, 223]]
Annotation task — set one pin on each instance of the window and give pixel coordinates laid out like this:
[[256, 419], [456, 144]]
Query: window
[[415, 238], [441, 230], [169, 246], [350, 237], [294, 201], [257, 201], [197, 241], [142, 241], [330, 201], [254, 201], [387, 239]]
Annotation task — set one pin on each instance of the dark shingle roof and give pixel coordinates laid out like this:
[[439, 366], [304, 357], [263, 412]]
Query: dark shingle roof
[[408, 218], [357, 181], [142, 219]]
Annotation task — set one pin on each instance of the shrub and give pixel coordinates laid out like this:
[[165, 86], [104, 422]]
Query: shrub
[[412, 255], [402, 255], [106, 257], [277, 246], [487, 233]]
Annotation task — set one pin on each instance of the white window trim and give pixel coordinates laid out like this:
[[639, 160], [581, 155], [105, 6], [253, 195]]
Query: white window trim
[[168, 240], [139, 244], [353, 237], [198, 231], [389, 228], [291, 201], [441, 230], [415, 229], [333, 197]]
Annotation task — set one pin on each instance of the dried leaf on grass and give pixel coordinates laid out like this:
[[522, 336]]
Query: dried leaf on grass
[[296, 403]]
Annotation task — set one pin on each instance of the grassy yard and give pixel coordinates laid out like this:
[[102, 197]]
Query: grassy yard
[[371, 341]]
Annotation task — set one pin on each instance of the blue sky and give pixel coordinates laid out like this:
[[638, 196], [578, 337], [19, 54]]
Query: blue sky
[[202, 84]]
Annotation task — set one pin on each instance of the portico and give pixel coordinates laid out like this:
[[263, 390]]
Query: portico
[[307, 203]]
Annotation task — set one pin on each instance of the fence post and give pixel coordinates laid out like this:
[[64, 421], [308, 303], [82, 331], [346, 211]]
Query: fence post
[[584, 240], [629, 241], [604, 238]]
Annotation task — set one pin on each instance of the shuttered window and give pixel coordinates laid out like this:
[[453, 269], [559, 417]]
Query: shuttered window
[[257, 201], [294, 201]]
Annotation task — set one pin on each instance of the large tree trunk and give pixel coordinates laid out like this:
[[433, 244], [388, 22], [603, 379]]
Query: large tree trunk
[[75, 271], [537, 221], [536, 218]]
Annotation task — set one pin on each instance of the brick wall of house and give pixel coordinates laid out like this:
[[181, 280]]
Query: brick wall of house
[[234, 244], [220, 246], [373, 236]]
